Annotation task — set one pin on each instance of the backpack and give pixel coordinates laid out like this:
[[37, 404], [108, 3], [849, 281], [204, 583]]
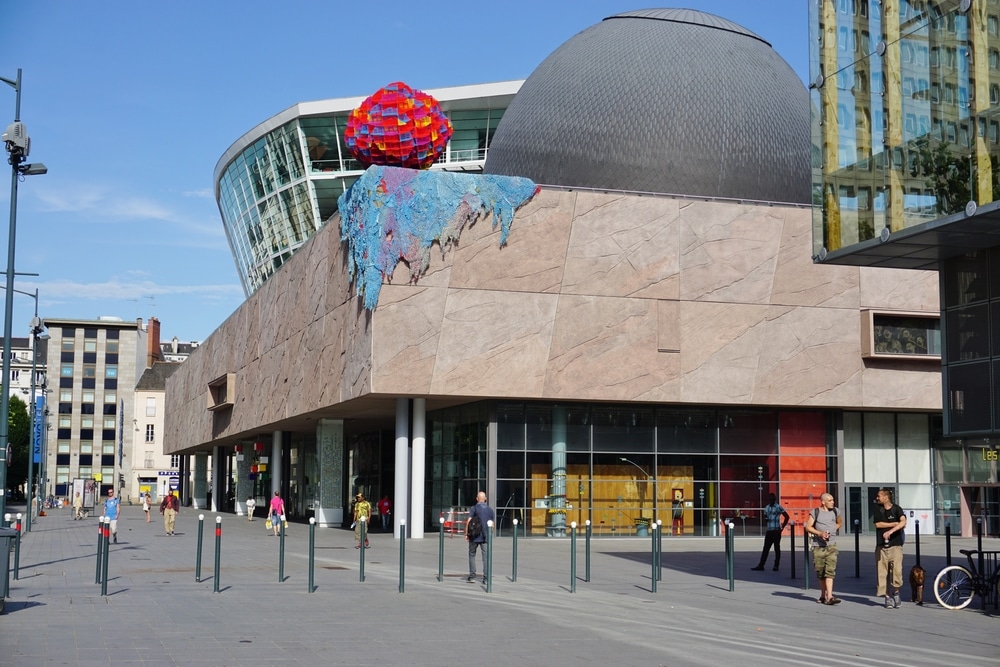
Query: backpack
[[475, 527]]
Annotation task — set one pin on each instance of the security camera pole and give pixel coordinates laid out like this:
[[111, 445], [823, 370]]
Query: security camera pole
[[18, 144]]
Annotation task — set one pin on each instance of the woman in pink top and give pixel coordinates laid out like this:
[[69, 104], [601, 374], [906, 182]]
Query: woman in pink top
[[277, 510]]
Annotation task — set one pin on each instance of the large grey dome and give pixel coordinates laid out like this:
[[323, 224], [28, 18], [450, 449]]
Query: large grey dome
[[673, 101]]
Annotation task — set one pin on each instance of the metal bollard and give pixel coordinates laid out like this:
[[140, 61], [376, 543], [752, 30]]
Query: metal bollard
[[659, 550], [791, 526], [652, 561], [979, 545], [218, 552], [281, 549], [17, 545], [361, 566], [441, 547], [731, 537], [402, 553], [947, 542], [100, 549], [572, 557], [916, 537], [489, 556], [857, 548], [197, 562], [107, 546], [587, 552], [805, 558], [312, 551], [513, 574]]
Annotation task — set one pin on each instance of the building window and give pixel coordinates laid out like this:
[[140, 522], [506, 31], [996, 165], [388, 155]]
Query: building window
[[150, 433], [109, 422], [66, 370], [150, 406], [111, 347], [175, 461], [65, 395], [89, 371], [111, 371], [15, 375], [65, 421], [87, 421], [894, 334], [90, 345], [67, 345], [110, 396]]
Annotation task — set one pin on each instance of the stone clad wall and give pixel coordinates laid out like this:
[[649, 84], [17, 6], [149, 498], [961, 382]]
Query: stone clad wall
[[597, 296]]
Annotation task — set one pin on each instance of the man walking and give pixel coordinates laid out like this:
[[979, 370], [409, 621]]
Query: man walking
[[168, 508], [823, 524], [112, 507], [362, 510], [890, 521], [484, 514], [777, 518]]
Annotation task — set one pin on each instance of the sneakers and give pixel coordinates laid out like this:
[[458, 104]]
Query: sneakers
[[471, 579], [888, 602], [895, 601], [759, 568]]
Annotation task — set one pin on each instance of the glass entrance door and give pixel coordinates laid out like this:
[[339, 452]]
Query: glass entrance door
[[984, 505]]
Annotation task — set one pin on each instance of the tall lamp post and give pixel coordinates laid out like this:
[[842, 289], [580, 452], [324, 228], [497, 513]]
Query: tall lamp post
[[18, 145]]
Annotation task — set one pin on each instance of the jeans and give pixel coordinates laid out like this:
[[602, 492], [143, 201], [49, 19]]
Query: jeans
[[484, 549], [771, 537]]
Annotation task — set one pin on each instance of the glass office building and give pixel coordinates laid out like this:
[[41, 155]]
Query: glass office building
[[906, 174]]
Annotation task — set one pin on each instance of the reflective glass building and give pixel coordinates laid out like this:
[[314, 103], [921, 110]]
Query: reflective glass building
[[906, 174], [280, 181]]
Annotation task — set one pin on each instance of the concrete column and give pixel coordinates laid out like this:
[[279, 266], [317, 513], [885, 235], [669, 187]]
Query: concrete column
[[274, 463], [199, 494], [218, 472], [244, 486], [330, 454], [401, 488], [558, 521], [416, 521]]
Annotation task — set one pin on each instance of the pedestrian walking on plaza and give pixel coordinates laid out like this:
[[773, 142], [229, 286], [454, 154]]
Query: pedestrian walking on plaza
[[362, 510], [480, 539], [276, 510], [384, 511], [823, 524], [169, 508], [890, 520], [77, 507], [146, 500], [251, 505], [777, 518], [112, 508]]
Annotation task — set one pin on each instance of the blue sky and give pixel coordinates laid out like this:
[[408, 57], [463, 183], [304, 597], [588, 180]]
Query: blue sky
[[131, 104]]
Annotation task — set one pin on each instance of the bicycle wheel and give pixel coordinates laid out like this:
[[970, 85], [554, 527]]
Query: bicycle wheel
[[954, 587]]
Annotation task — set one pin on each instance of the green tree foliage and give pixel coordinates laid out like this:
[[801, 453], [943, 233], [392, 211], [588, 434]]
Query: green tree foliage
[[19, 437], [947, 171]]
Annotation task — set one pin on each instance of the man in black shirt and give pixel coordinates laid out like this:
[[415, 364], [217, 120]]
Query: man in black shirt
[[890, 521]]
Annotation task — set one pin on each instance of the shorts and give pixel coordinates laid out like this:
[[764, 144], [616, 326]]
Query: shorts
[[825, 561], [113, 526]]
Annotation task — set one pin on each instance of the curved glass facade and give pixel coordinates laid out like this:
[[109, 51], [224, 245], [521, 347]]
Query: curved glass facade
[[283, 185]]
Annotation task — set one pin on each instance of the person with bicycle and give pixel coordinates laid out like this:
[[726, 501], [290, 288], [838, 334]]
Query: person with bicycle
[[889, 520]]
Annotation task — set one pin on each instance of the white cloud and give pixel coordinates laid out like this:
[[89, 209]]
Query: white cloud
[[124, 289], [204, 193]]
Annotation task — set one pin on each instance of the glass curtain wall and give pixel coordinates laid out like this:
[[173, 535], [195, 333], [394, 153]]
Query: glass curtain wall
[[906, 113], [623, 466]]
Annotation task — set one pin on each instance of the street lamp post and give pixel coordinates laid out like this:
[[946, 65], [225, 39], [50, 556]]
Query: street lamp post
[[18, 145], [37, 329]]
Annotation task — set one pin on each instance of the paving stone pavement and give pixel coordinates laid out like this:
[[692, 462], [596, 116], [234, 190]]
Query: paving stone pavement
[[156, 613]]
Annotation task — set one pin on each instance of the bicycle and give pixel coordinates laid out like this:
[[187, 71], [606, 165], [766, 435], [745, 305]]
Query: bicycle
[[956, 586]]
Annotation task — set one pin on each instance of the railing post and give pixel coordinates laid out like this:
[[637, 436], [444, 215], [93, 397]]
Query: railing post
[[197, 562], [312, 552], [441, 548], [513, 576], [218, 552], [572, 557]]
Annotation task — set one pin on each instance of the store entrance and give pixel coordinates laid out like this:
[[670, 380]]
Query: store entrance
[[981, 502]]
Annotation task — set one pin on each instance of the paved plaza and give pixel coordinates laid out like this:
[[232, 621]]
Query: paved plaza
[[155, 613]]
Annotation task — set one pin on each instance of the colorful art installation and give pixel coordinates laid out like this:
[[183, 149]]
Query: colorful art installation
[[392, 214], [398, 126]]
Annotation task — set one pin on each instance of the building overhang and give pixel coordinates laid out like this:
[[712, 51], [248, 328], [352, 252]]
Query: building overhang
[[926, 245]]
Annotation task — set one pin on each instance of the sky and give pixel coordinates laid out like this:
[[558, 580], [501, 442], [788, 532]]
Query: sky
[[130, 105]]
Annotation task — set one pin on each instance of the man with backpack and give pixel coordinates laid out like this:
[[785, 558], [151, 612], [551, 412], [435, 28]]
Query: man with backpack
[[823, 524], [477, 534]]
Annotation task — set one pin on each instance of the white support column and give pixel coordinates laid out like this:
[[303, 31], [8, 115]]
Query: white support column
[[199, 494], [416, 520], [274, 463], [243, 484], [218, 468], [401, 488]]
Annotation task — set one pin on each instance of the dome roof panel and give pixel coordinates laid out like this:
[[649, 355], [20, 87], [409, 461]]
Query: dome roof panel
[[667, 101]]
